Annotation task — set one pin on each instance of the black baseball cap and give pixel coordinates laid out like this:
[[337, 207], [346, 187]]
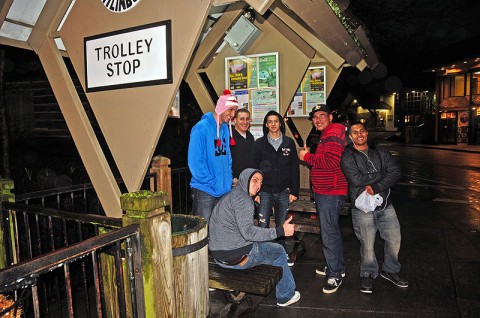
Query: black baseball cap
[[319, 108]]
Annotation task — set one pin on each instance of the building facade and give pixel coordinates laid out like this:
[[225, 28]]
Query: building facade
[[458, 101]]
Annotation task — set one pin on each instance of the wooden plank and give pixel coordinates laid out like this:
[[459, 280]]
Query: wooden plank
[[259, 280]]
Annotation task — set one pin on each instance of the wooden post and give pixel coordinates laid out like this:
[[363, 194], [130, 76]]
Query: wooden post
[[148, 209], [161, 167], [6, 185]]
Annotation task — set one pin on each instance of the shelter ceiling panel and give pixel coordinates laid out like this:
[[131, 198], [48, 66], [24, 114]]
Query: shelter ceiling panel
[[132, 119]]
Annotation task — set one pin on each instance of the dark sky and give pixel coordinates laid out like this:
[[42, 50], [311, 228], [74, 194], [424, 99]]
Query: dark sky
[[409, 34]]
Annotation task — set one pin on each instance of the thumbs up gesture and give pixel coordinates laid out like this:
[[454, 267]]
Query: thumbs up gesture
[[302, 152], [289, 228]]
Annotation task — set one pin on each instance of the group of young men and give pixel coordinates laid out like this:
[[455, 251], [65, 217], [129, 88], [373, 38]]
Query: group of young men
[[265, 175]]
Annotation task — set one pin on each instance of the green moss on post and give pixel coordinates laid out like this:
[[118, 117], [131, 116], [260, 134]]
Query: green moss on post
[[6, 185], [142, 201], [147, 209]]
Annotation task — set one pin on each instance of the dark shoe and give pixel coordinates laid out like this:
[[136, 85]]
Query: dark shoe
[[332, 285], [294, 299], [290, 262], [395, 279], [323, 271], [366, 284]]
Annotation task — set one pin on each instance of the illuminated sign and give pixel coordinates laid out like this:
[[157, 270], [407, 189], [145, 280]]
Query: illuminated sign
[[139, 56]]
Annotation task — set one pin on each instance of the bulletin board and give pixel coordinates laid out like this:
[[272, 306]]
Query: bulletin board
[[253, 79], [312, 91]]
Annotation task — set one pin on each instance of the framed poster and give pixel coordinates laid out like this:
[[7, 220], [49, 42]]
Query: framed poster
[[311, 91], [253, 80]]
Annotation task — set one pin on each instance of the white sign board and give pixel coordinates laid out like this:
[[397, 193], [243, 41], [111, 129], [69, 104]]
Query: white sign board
[[134, 57]]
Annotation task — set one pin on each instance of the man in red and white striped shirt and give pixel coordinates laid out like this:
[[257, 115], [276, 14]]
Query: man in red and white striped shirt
[[329, 187]]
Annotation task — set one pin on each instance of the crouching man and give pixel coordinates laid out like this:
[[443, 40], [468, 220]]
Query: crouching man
[[235, 241]]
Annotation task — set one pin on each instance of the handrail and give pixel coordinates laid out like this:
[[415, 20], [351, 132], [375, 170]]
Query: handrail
[[46, 262], [81, 217]]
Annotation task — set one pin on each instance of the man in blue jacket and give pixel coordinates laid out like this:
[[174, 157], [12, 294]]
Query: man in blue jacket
[[235, 241], [209, 157], [374, 170]]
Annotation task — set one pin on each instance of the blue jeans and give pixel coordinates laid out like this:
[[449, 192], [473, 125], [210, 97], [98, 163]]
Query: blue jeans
[[203, 203], [366, 226], [278, 201], [271, 254], [328, 211]]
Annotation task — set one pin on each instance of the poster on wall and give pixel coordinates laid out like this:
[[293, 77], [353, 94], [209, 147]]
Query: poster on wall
[[462, 127], [311, 91], [253, 80]]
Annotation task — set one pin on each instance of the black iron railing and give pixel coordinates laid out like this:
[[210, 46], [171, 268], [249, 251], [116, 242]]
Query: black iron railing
[[181, 193], [51, 286], [33, 231]]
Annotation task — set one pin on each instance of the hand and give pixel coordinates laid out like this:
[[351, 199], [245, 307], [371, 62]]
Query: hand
[[302, 152], [235, 180], [291, 198], [257, 199], [289, 228], [369, 190]]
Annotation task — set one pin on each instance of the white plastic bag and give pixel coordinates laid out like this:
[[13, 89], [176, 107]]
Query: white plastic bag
[[367, 203]]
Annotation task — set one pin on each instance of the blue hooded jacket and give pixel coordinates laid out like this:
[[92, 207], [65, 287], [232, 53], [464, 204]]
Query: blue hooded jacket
[[210, 164]]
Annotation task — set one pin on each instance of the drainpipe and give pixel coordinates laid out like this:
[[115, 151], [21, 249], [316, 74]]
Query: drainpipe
[[471, 133]]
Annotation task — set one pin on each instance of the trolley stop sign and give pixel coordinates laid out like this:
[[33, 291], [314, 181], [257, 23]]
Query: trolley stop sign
[[139, 56]]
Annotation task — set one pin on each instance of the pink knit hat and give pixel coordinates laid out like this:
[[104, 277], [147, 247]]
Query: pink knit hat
[[226, 101]]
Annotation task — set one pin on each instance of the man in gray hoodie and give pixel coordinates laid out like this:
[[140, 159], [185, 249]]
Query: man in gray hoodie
[[235, 241]]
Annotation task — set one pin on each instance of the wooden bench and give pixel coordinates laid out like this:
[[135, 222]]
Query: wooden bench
[[258, 280]]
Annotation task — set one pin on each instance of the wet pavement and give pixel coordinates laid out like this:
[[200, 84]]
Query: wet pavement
[[437, 203]]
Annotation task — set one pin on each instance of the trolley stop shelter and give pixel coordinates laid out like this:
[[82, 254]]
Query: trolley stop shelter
[[131, 56]]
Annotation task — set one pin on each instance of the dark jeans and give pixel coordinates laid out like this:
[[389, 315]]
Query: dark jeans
[[280, 203], [203, 203], [271, 254], [328, 211]]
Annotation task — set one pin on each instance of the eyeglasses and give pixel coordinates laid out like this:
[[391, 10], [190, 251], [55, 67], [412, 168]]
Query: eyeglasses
[[320, 116]]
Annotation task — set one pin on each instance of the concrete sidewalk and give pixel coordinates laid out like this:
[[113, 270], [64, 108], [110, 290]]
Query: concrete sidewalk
[[440, 257]]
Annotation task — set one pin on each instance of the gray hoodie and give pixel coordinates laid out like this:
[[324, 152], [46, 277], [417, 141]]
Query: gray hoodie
[[231, 227]]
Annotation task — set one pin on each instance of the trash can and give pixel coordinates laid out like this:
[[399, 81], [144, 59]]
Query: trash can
[[190, 265]]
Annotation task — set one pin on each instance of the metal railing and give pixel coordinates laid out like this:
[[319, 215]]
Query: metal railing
[[51, 286], [75, 198], [83, 198], [181, 193], [32, 230]]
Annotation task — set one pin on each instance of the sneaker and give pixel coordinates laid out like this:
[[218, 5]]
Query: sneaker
[[395, 279], [211, 289], [366, 284], [323, 271], [332, 285], [290, 262], [293, 300]]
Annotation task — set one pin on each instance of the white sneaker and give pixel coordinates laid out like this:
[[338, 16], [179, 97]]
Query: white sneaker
[[293, 300], [323, 271]]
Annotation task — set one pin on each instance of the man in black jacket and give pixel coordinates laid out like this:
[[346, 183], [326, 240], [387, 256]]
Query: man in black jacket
[[243, 143], [275, 154], [374, 170]]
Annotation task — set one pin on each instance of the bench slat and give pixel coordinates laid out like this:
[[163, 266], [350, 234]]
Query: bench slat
[[259, 280]]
